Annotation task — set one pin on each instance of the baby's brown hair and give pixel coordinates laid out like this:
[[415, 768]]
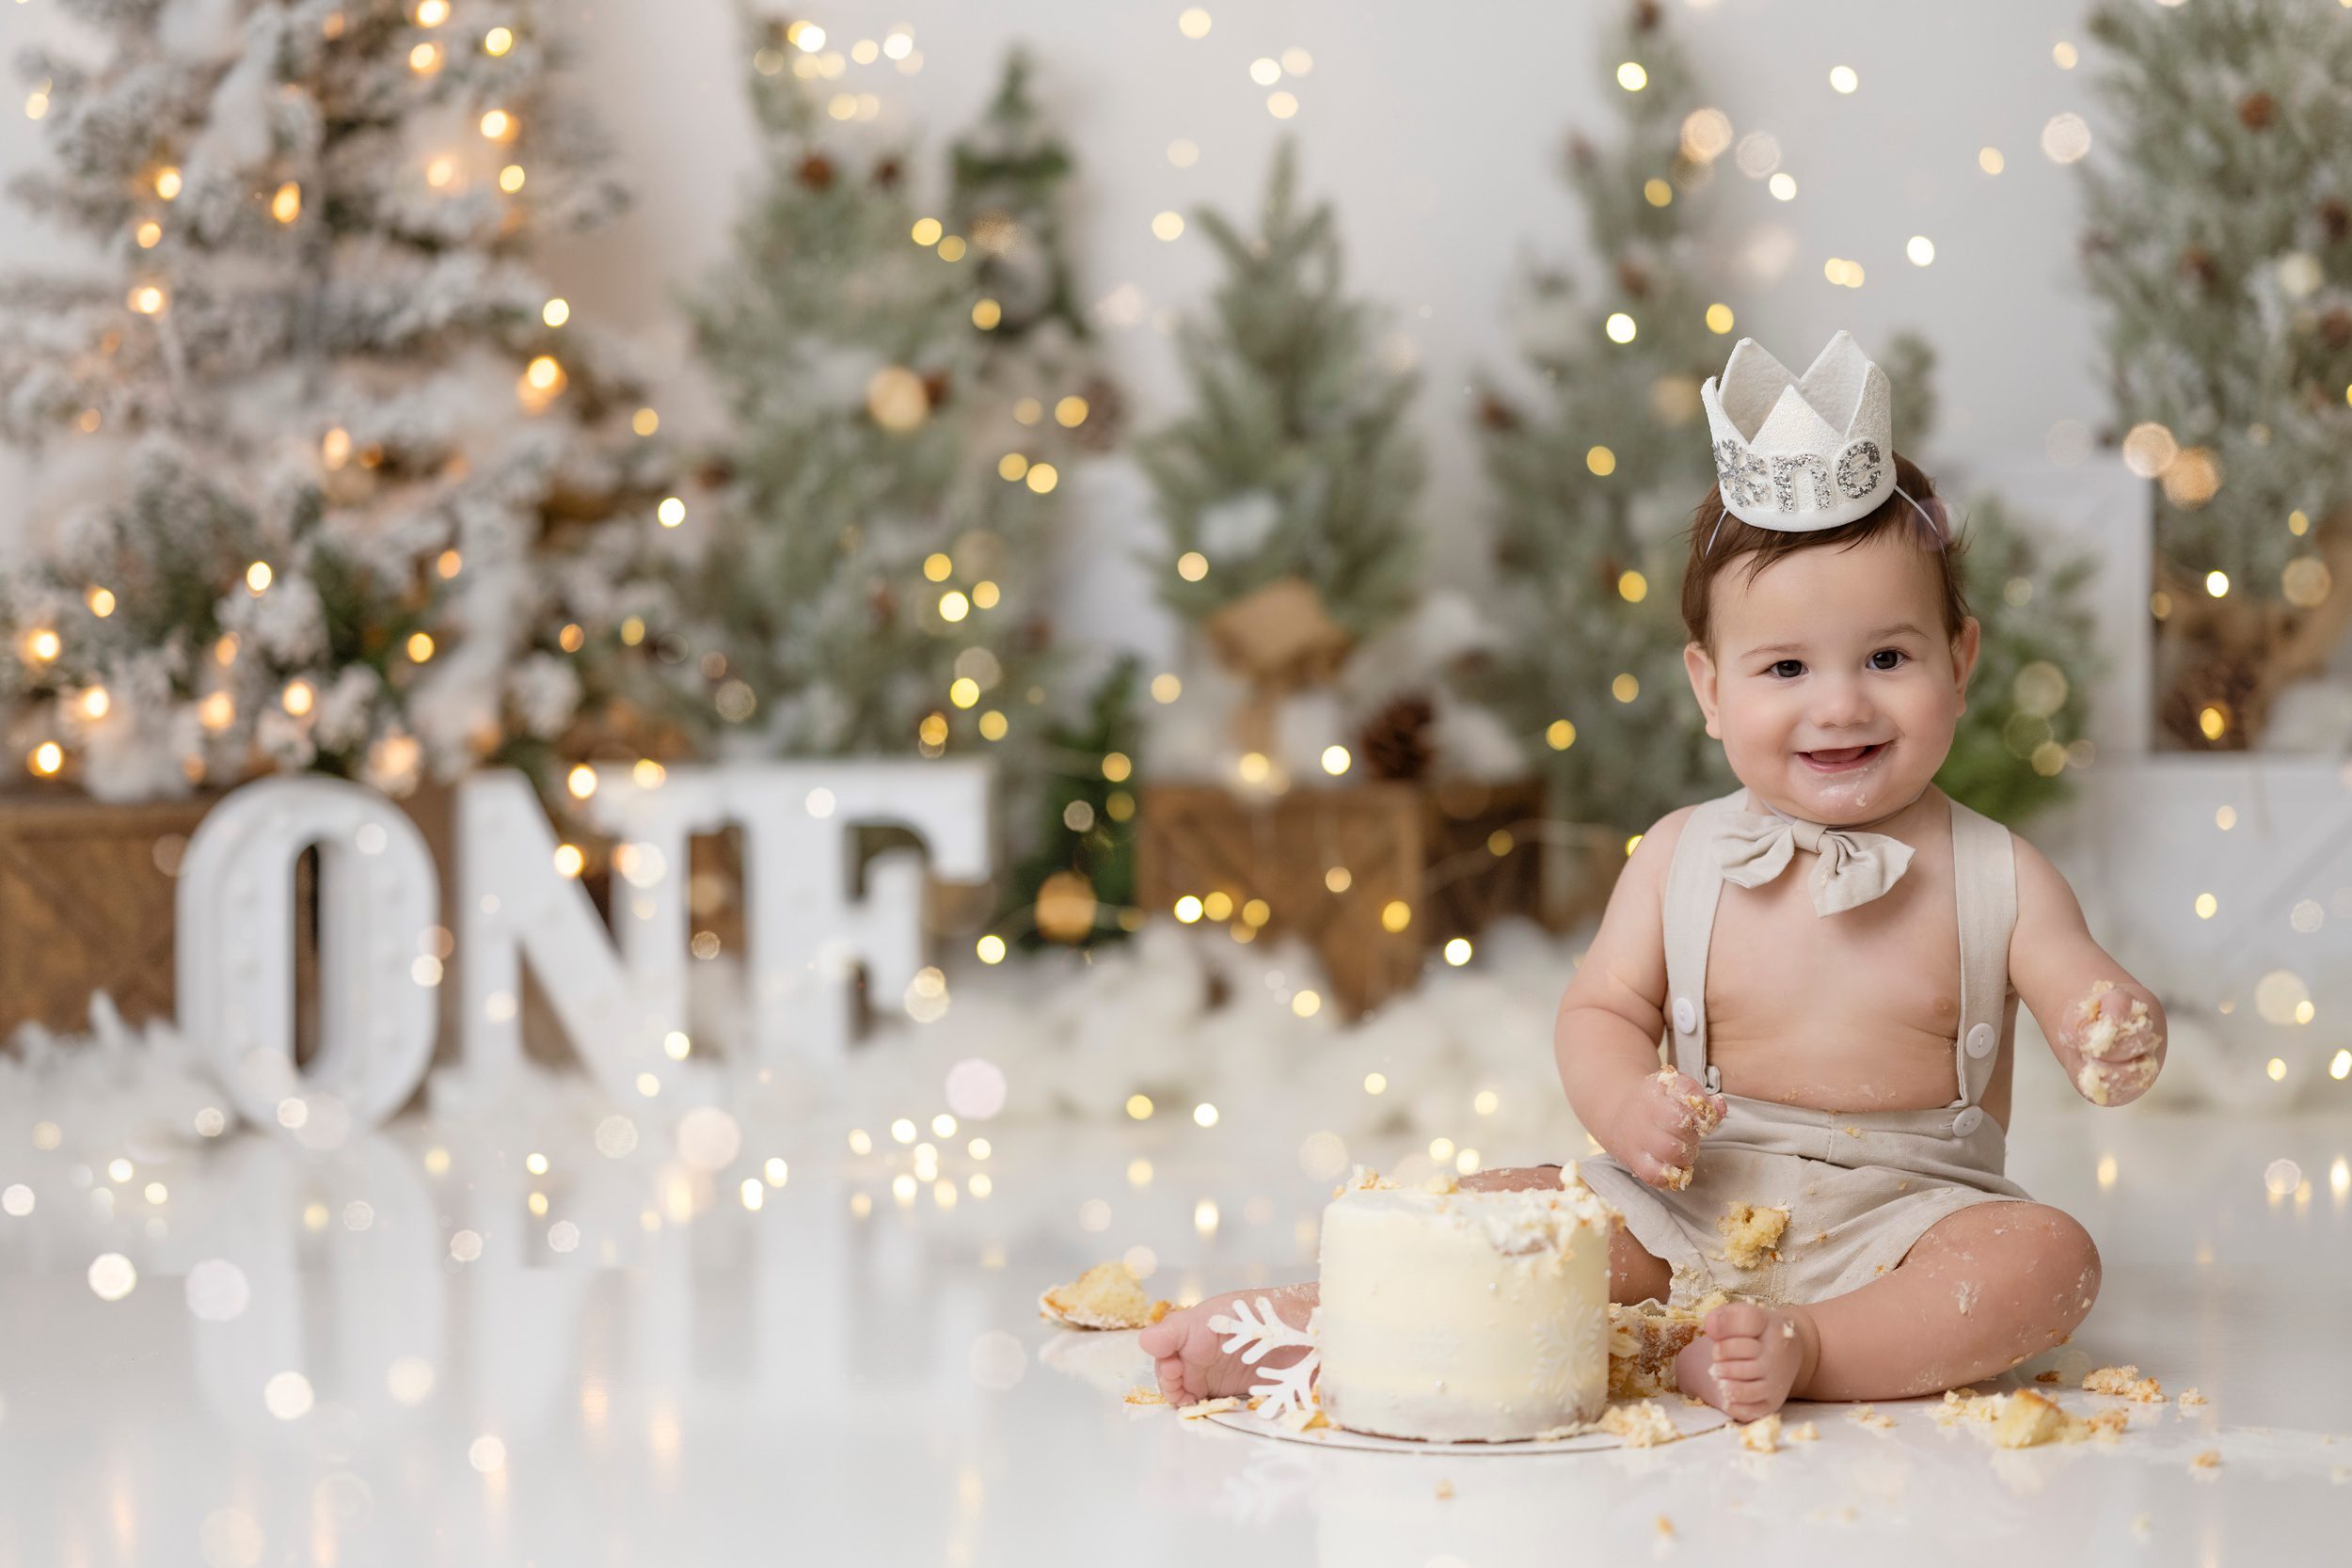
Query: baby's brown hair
[[1717, 539]]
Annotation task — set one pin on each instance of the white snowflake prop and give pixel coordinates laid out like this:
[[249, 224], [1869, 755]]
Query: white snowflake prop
[[1289, 1392]]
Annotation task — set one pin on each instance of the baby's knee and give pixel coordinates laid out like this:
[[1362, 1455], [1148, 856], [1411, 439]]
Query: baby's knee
[[2058, 1251]]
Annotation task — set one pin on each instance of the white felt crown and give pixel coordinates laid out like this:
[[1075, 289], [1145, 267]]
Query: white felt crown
[[1801, 453]]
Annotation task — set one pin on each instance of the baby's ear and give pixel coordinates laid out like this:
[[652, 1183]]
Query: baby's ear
[[1968, 644], [1700, 666]]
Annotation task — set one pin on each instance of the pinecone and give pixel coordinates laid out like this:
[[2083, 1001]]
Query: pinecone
[[1494, 414], [936, 388], [2336, 327], [1646, 16], [816, 171], [1632, 279], [715, 473], [2335, 217], [1395, 741], [887, 173], [2197, 265], [2256, 110], [884, 604], [1106, 416], [1579, 152]]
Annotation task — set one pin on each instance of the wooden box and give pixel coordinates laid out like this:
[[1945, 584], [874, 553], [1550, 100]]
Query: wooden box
[[85, 904]]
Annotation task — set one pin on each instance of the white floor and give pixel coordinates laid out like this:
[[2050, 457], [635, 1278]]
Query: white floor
[[697, 1383]]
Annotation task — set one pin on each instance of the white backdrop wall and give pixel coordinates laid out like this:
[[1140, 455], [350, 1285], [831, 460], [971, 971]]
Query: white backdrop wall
[[1437, 131]]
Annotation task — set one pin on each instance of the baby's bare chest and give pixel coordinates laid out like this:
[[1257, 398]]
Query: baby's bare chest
[[1887, 969]]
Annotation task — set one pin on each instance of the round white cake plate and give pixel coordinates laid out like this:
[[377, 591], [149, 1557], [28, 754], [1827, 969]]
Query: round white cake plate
[[1689, 1422]]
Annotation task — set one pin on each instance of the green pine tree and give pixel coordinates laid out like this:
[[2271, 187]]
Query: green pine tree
[[870, 584], [1037, 402], [1086, 814], [1293, 460], [1596, 479], [2219, 237]]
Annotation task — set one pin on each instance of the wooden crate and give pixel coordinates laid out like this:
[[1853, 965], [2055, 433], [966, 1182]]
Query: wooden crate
[[1458, 855], [1205, 840], [85, 904]]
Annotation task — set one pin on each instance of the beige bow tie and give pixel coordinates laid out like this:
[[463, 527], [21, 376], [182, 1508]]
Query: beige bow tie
[[1853, 867]]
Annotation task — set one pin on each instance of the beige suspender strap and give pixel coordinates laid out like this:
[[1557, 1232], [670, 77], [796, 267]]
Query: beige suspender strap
[[1984, 880], [1693, 883]]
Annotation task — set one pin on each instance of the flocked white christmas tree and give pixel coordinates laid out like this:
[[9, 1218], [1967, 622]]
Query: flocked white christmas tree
[[332, 479]]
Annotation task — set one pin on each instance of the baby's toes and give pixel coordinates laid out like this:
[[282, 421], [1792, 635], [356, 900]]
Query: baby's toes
[[1161, 1338], [1734, 1320]]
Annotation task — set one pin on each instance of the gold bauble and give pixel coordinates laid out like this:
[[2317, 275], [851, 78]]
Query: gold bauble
[[897, 400], [1066, 906]]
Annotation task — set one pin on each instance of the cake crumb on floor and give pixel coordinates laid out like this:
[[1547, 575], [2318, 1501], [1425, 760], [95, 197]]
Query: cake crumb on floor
[[1641, 1425], [1869, 1416], [1445, 1490], [2125, 1382], [2190, 1395], [1804, 1431], [1763, 1436], [2209, 1460]]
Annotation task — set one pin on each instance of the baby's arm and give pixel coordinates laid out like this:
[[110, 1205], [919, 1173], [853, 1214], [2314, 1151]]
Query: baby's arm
[[2106, 1028], [1606, 1038]]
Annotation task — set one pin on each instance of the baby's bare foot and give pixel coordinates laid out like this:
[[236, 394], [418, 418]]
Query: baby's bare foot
[[1189, 1358], [1747, 1358]]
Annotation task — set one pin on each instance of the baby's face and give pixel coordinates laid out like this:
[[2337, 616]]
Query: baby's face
[[1832, 684]]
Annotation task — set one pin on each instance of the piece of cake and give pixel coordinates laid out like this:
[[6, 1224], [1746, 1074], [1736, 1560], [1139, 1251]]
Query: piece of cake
[[1762, 1436], [1463, 1315], [1108, 1295], [1644, 1339], [1750, 1234], [2125, 1382], [2025, 1419]]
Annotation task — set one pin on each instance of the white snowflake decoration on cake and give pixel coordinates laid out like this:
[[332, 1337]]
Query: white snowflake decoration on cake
[[1567, 1349], [1289, 1391]]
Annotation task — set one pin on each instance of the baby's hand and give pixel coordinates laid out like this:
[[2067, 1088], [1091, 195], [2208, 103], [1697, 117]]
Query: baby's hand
[[2120, 1050], [1657, 1128]]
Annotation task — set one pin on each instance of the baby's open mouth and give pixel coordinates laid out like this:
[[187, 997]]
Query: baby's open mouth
[[1838, 759]]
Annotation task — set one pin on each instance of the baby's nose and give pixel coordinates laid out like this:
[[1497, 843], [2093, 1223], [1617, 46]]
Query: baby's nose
[[1839, 704]]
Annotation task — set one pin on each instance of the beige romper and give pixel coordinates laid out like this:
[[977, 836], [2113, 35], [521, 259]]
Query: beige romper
[[1860, 1186]]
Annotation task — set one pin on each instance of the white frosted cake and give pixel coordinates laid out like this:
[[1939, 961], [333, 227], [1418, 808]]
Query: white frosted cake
[[1456, 1316]]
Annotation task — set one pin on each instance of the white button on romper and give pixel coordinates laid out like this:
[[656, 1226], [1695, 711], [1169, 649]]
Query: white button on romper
[[1860, 1186]]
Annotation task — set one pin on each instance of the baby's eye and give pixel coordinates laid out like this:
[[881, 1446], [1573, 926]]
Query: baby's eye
[[1787, 669], [1895, 654]]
